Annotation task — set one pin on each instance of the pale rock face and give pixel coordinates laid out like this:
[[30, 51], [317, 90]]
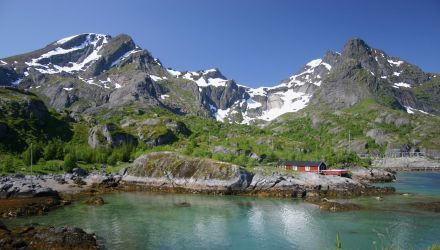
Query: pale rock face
[[274, 102]]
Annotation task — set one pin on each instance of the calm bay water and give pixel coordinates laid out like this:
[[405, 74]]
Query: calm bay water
[[153, 221]]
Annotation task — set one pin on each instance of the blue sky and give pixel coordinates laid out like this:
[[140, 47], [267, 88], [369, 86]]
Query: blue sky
[[255, 42]]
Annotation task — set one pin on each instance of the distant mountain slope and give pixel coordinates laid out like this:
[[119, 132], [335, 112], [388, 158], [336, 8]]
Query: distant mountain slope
[[95, 72]]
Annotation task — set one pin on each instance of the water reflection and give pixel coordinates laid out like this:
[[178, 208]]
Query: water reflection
[[153, 221]]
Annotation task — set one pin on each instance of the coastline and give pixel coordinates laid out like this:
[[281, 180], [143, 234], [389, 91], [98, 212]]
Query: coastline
[[172, 173], [169, 172]]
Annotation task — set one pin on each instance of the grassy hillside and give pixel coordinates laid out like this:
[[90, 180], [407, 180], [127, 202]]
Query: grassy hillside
[[315, 133]]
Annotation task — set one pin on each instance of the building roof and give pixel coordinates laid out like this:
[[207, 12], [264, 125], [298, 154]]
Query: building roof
[[301, 163]]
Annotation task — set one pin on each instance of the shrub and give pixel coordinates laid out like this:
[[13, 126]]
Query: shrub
[[114, 157], [7, 164], [69, 162], [33, 152]]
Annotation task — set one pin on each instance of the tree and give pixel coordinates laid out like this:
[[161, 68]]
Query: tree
[[53, 150]]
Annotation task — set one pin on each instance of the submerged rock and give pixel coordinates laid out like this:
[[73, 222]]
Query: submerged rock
[[428, 206], [19, 207], [334, 206], [44, 237], [182, 204], [95, 201]]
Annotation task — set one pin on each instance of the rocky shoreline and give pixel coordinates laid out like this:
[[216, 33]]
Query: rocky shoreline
[[36, 195], [46, 237], [373, 175], [169, 172]]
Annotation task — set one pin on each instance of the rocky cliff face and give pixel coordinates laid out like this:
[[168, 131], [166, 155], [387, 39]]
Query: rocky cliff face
[[16, 104], [93, 72]]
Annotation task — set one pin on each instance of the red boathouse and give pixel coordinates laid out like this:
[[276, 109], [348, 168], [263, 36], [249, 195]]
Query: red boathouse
[[306, 166]]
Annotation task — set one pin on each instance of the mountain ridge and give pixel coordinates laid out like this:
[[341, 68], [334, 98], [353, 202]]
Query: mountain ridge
[[90, 72], [104, 100]]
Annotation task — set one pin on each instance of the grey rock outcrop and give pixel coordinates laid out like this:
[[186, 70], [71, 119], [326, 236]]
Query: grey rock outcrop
[[371, 175], [108, 135], [379, 136], [169, 170]]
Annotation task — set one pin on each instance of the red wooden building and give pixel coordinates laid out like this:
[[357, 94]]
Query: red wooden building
[[306, 166]]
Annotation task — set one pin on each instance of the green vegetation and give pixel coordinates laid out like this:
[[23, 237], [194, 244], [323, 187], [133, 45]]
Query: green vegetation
[[69, 162], [59, 144]]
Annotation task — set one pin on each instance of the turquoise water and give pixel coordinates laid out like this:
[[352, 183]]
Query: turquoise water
[[152, 221]]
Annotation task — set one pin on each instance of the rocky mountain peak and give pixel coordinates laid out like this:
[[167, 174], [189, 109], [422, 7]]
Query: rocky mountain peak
[[213, 73], [355, 48], [77, 40]]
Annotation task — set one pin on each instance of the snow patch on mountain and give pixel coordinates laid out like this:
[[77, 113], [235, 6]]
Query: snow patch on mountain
[[125, 56], [216, 82], [251, 104], [286, 97], [91, 40], [308, 75], [410, 110], [292, 102], [261, 91], [175, 73], [65, 40], [157, 78], [397, 63], [315, 63], [3, 62], [201, 78], [221, 114], [18, 81], [401, 84]]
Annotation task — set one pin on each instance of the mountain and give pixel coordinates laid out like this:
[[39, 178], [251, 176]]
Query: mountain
[[94, 72], [104, 100]]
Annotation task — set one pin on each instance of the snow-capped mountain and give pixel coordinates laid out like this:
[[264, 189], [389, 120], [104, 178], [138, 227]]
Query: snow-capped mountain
[[95, 72]]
